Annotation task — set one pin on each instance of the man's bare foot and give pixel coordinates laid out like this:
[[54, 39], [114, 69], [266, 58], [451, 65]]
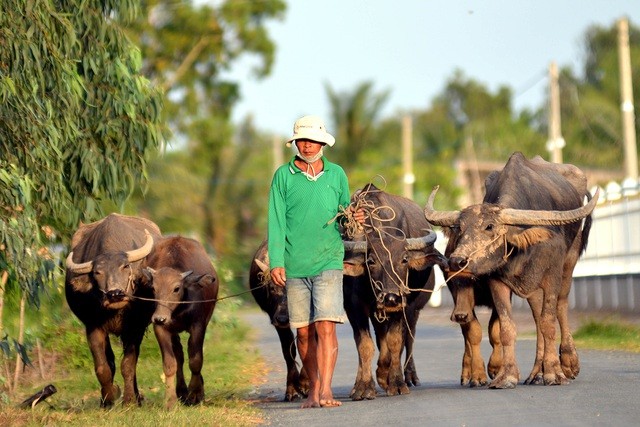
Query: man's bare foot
[[330, 403]]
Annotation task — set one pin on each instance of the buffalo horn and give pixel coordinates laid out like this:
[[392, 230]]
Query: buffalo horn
[[143, 251], [441, 218], [359, 246], [533, 217], [82, 268], [418, 243]]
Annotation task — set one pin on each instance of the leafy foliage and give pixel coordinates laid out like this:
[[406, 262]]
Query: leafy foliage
[[78, 123]]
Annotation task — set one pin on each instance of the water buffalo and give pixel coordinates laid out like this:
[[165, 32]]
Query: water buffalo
[[185, 283], [388, 280], [272, 299], [103, 271], [525, 238]]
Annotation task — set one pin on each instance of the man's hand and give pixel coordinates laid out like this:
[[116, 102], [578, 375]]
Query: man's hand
[[359, 216], [278, 276]]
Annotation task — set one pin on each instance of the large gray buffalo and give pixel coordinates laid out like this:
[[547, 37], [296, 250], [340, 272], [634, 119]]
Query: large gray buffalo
[[525, 238], [102, 281], [388, 280]]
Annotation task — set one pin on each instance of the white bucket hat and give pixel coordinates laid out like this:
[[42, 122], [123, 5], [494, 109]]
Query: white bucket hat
[[311, 127]]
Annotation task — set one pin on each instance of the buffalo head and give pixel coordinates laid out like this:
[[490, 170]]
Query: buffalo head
[[387, 259], [170, 288], [277, 295], [113, 273], [486, 233]]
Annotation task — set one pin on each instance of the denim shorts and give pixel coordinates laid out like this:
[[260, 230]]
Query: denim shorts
[[315, 298]]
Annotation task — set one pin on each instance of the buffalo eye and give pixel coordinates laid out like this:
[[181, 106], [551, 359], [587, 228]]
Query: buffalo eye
[[489, 227], [176, 289]]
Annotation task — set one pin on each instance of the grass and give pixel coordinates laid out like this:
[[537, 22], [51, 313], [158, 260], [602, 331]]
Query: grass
[[231, 370], [608, 335]]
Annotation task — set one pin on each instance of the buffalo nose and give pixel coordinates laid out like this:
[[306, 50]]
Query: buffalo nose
[[457, 263], [115, 295], [159, 320], [391, 300], [281, 320], [460, 317]]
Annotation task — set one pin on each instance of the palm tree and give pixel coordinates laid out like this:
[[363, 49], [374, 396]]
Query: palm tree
[[354, 117]]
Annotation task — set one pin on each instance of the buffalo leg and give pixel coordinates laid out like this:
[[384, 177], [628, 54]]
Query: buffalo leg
[[100, 347], [535, 303], [168, 365], [568, 355], [509, 374], [364, 386], [553, 374], [473, 370], [297, 382], [181, 386], [194, 348], [390, 362], [410, 372], [497, 352]]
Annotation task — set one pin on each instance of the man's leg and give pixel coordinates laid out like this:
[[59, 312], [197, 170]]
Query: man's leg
[[308, 349], [327, 357]]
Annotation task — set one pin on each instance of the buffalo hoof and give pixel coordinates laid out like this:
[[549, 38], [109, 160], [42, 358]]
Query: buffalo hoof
[[569, 362], [504, 381], [411, 378], [534, 379], [291, 394], [363, 390], [110, 396], [401, 389], [478, 382], [556, 380]]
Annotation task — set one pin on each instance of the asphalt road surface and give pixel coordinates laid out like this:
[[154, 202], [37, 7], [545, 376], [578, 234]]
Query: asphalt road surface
[[605, 392]]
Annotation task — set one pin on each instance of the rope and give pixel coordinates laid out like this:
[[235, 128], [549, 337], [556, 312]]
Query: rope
[[263, 284]]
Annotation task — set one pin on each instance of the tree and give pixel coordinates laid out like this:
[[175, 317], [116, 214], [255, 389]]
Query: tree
[[186, 50], [590, 105], [78, 124], [354, 115]]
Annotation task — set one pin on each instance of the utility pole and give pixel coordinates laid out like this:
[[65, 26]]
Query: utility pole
[[407, 157], [626, 106], [556, 142]]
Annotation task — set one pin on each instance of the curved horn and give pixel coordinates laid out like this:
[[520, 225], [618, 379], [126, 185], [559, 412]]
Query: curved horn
[[533, 217], [359, 246], [418, 243], [82, 268], [442, 218], [261, 265], [143, 251]]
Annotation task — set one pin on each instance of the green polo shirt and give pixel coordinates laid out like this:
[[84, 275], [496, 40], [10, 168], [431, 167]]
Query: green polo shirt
[[300, 237]]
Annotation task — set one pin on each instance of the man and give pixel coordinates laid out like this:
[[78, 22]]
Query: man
[[306, 251]]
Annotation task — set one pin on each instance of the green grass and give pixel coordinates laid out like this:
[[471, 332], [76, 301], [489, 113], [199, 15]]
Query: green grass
[[232, 368], [608, 335]]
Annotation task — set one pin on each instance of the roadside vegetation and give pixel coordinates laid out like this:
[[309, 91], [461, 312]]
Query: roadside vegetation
[[608, 335], [231, 370]]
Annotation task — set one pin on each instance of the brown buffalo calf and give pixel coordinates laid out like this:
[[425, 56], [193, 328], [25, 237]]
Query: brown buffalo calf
[[185, 285]]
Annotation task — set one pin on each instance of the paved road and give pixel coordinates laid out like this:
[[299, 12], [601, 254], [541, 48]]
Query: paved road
[[605, 393]]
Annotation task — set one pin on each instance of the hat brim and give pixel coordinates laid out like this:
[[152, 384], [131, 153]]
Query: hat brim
[[313, 135]]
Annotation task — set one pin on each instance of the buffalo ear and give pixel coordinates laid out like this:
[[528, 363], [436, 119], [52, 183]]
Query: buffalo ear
[[423, 262], [81, 283], [529, 237], [352, 269], [200, 281], [146, 277]]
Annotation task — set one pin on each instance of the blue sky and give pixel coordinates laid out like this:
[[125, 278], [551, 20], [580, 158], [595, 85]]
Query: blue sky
[[412, 47]]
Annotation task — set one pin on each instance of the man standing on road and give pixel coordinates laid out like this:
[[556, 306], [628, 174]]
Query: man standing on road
[[306, 250]]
